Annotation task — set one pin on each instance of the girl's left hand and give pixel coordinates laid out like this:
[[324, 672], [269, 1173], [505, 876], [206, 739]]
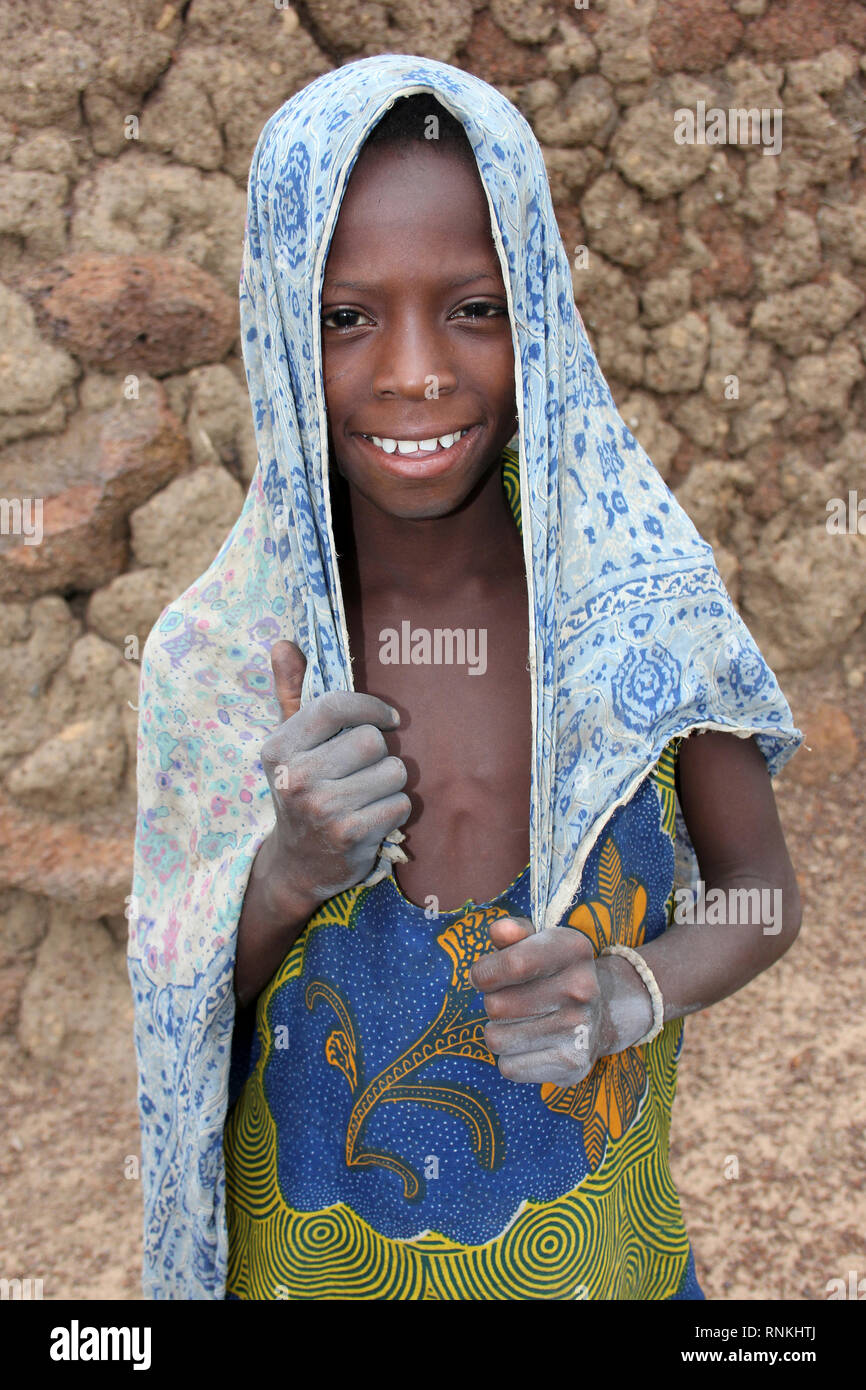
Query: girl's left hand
[[549, 1020]]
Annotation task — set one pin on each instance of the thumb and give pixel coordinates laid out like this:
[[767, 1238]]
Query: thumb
[[505, 931], [288, 664]]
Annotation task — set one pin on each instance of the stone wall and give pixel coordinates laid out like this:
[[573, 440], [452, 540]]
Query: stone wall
[[722, 287]]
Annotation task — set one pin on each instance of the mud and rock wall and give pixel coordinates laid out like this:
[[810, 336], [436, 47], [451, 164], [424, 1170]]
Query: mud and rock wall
[[723, 283]]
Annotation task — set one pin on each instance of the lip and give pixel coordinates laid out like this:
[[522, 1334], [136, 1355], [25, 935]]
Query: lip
[[418, 465]]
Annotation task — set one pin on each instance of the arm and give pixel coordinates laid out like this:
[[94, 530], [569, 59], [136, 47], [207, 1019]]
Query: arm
[[728, 805], [336, 795], [272, 918], [539, 987]]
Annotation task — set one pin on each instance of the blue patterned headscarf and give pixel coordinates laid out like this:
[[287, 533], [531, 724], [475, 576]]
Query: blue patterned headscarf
[[633, 637]]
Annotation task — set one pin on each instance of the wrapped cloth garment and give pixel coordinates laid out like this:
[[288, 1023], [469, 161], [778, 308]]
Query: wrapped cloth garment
[[634, 640]]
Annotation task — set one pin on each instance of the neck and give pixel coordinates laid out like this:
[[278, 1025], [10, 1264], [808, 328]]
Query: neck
[[383, 552]]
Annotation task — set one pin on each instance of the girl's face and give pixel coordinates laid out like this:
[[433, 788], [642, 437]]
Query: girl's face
[[416, 339]]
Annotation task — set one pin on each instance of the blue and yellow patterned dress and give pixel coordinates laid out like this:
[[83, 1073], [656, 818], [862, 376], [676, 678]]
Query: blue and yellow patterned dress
[[375, 1151]]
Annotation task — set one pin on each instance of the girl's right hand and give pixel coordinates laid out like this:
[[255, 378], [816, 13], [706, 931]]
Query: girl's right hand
[[336, 788]]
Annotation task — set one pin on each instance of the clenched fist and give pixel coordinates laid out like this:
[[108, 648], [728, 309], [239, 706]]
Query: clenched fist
[[337, 791]]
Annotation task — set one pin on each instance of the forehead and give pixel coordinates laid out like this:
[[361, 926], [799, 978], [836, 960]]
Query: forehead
[[413, 201]]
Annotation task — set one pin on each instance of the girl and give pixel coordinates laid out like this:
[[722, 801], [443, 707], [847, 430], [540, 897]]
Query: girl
[[367, 1068]]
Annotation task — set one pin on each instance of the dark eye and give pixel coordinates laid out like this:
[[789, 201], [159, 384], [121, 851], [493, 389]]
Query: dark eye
[[480, 309], [343, 318]]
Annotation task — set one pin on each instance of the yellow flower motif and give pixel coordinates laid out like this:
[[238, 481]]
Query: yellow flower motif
[[606, 1102], [465, 941]]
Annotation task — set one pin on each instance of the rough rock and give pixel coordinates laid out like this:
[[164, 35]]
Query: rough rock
[[713, 495], [585, 115], [656, 436], [737, 365], [802, 319], [139, 205], [35, 641], [666, 298], [758, 199], [150, 314], [622, 40], [66, 860], [805, 596], [48, 421], [32, 217], [23, 924], [678, 354], [842, 228], [39, 84], [180, 118], [32, 372], [115, 48], [827, 73], [823, 382], [221, 90], [702, 421], [570, 170], [719, 187], [763, 407], [50, 151], [220, 421], [616, 222], [795, 255], [77, 993], [751, 84], [77, 769], [603, 294], [621, 353], [525, 21], [107, 122], [89, 477], [728, 270], [817, 148], [574, 51], [401, 26], [130, 605], [181, 529], [13, 974], [831, 747], [646, 154]]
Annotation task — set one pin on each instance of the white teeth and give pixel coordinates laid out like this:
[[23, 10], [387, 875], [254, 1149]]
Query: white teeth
[[414, 446]]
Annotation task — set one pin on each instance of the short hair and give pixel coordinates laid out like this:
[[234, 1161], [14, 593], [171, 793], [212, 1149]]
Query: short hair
[[407, 122]]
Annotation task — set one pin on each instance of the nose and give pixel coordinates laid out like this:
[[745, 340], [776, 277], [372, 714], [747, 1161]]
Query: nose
[[413, 361]]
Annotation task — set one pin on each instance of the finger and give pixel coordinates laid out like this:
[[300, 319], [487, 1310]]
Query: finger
[[288, 664], [347, 752], [533, 999], [548, 1068], [327, 715], [506, 930], [377, 820], [531, 958], [526, 1035], [364, 788]]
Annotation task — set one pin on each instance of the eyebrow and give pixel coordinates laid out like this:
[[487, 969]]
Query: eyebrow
[[452, 285]]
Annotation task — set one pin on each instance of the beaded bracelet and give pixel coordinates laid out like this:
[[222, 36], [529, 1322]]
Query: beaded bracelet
[[651, 984]]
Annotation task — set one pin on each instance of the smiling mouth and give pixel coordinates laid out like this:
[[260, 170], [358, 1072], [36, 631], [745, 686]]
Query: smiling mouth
[[416, 446]]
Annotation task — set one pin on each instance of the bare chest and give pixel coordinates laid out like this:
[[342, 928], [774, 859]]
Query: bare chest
[[459, 678]]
